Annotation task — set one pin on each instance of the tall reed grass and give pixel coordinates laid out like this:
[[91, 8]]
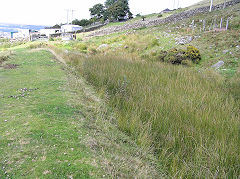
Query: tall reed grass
[[186, 117]]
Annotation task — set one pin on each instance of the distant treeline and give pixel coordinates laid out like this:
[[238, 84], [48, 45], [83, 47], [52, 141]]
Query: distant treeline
[[111, 10]]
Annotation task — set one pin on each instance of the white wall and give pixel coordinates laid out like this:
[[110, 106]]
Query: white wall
[[70, 28], [48, 32], [22, 33]]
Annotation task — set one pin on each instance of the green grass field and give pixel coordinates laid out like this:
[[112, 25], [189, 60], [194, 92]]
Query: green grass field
[[40, 132], [51, 126]]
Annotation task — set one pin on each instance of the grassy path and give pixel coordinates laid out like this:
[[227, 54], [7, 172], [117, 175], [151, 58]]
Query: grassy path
[[51, 127], [39, 132]]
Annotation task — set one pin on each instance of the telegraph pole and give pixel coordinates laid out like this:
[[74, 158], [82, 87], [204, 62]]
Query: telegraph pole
[[67, 14], [211, 6], [69, 10], [178, 4], [72, 15]]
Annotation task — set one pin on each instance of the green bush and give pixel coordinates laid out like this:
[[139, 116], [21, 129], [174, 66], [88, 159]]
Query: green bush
[[161, 55], [82, 47], [171, 56], [160, 15], [193, 54], [179, 56]]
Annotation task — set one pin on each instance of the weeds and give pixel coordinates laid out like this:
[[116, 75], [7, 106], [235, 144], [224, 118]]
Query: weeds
[[3, 58], [186, 116], [189, 118], [37, 45]]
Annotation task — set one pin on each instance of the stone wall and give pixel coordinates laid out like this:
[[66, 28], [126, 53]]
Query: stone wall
[[157, 21]]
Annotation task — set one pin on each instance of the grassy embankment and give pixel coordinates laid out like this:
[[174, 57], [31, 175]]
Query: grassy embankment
[[54, 126], [6, 43], [189, 118]]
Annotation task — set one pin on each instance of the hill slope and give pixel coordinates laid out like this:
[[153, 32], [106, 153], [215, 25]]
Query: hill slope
[[154, 116]]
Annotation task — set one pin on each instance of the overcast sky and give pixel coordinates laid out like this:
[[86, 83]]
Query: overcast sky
[[50, 12]]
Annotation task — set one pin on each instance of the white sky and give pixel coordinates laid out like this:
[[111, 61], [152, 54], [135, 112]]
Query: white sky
[[51, 12]]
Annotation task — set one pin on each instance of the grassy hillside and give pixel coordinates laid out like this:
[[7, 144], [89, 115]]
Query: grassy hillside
[[204, 3], [189, 119], [155, 119]]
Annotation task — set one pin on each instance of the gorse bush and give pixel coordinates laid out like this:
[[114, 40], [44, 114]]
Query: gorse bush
[[186, 117], [180, 56], [192, 54]]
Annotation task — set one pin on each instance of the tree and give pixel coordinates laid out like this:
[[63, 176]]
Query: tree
[[211, 6], [54, 27], [117, 10], [83, 22], [109, 3], [97, 11]]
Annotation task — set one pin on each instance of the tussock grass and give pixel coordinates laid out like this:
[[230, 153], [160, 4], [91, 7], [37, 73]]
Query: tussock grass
[[35, 45], [5, 55], [5, 44], [3, 58], [188, 118]]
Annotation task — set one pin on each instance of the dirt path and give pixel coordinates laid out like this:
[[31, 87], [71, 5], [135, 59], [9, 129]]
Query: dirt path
[[58, 57]]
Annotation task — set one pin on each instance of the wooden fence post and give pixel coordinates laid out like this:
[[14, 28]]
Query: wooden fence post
[[204, 25], [221, 23], [227, 24]]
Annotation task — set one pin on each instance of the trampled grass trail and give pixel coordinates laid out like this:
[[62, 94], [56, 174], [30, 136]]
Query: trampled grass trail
[[50, 126]]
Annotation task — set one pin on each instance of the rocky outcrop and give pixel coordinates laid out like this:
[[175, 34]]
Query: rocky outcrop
[[157, 21]]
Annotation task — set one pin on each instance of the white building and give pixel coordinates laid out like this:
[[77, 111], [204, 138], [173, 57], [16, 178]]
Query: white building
[[70, 28], [22, 33], [49, 32]]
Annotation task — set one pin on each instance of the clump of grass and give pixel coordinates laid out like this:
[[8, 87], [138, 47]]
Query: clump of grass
[[92, 51], [3, 58], [51, 39], [7, 44], [184, 115], [154, 42], [81, 47], [37, 45]]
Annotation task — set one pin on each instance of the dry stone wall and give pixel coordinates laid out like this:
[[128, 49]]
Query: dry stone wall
[[154, 22]]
